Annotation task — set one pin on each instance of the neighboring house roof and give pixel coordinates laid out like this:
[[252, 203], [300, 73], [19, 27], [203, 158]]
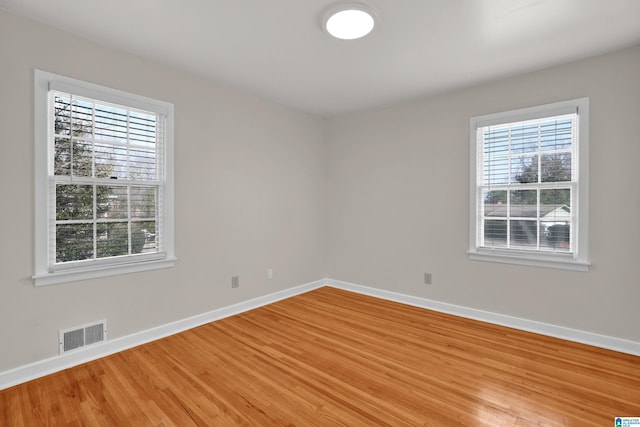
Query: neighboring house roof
[[547, 212]]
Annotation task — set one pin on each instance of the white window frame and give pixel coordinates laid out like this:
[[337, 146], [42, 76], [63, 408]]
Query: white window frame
[[45, 274], [579, 259]]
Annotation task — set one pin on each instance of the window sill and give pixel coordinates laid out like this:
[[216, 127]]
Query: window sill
[[67, 276], [531, 260]]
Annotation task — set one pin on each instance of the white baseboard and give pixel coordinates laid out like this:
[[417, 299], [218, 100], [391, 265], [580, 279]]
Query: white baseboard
[[48, 366], [58, 363], [603, 341]]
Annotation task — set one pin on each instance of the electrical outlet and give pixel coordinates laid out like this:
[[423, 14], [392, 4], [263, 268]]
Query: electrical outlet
[[427, 278], [235, 281], [270, 274]]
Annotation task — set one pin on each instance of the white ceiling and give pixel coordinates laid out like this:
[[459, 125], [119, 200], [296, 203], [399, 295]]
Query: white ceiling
[[277, 49]]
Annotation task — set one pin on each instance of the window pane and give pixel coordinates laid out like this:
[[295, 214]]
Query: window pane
[[112, 201], [62, 157], [557, 236], [111, 161], [555, 213], [82, 159], [111, 123], [495, 233], [524, 138], [112, 239], [495, 203], [74, 242], [556, 198], [143, 202], [524, 203], [556, 167], [496, 142], [496, 171], [143, 237], [74, 202], [82, 124], [556, 134], [142, 127], [142, 163], [524, 234], [62, 115], [524, 169]]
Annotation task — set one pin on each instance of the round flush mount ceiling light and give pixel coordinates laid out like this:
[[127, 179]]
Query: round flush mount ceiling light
[[350, 21]]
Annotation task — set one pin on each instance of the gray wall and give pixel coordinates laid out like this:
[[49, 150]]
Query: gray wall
[[398, 191], [249, 190]]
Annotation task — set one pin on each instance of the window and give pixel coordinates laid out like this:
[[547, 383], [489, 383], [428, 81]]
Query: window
[[529, 186], [104, 181]]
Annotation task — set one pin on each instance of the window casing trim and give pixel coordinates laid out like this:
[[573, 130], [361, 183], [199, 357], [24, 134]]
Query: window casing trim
[[44, 274], [579, 259]]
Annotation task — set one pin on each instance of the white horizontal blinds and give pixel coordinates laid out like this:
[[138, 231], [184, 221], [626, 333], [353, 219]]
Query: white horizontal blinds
[[528, 185], [106, 164]]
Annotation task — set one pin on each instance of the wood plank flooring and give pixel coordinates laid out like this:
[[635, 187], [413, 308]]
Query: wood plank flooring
[[330, 358]]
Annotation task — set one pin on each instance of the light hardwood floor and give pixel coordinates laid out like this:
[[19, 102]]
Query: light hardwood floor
[[331, 357]]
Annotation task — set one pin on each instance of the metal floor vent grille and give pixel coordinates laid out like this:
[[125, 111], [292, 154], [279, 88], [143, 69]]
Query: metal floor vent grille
[[82, 336]]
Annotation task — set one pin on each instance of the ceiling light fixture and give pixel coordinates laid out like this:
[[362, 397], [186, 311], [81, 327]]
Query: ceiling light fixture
[[350, 21]]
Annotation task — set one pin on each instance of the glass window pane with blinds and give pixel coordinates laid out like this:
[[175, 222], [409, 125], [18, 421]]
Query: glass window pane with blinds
[[106, 181], [527, 185]]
